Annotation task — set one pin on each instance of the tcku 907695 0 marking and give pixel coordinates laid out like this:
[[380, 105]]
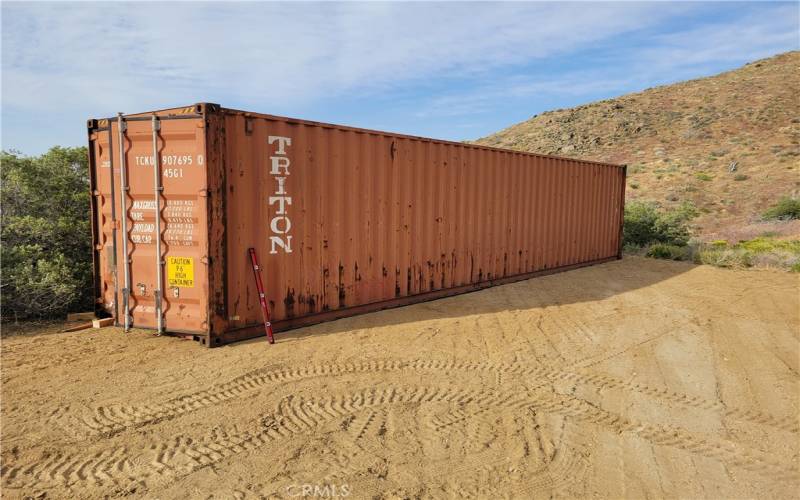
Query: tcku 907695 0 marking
[[168, 160]]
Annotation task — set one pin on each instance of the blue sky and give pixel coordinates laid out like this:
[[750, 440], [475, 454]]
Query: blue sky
[[446, 70]]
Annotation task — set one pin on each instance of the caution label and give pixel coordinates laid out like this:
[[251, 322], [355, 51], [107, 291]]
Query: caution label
[[180, 272]]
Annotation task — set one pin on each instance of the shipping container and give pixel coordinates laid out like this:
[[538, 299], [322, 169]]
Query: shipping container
[[343, 220]]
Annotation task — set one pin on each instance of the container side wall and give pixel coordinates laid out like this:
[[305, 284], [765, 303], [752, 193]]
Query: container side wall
[[345, 220]]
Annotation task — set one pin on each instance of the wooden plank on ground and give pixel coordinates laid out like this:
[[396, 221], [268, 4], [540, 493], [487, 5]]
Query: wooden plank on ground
[[100, 323], [82, 326]]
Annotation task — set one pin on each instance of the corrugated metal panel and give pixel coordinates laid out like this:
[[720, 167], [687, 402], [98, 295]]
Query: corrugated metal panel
[[364, 220], [376, 217]]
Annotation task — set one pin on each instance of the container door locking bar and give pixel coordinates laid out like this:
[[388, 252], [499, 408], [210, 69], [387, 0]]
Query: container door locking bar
[[261, 297], [123, 180], [157, 293], [114, 260]]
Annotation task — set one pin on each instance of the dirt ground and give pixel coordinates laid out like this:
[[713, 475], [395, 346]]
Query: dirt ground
[[636, 378]]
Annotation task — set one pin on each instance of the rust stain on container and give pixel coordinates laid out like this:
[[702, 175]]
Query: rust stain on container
[[344, 220]]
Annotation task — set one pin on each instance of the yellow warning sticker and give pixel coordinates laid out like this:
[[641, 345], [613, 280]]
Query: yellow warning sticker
[[180, 272]]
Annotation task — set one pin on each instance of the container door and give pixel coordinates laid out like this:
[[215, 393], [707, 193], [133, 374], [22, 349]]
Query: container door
[[163, 220]]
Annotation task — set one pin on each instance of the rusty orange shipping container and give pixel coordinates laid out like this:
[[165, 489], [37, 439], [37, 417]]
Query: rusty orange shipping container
[[343, 220]]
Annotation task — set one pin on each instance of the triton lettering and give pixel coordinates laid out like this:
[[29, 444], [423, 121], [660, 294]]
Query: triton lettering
[[280, 225]]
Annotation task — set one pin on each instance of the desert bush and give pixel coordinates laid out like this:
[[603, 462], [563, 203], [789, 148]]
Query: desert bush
[[779, 259], [703, 176], [666, 251], [758, 252], [740, 177], [787, 208], [762, 245], [45, 233], [645, 224], [723, 257]]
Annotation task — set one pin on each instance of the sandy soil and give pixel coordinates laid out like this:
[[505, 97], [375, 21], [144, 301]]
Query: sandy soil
[[637, 378]]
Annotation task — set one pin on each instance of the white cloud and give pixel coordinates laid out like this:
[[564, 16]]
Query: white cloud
[[671, 57], [108, 56], [763, 33], [68, 61]]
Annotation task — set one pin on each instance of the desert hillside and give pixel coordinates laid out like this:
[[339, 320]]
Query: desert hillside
[[730, 143]]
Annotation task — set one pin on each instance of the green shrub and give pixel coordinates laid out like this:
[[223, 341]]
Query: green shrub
[[740, 177], [761, 245], [787, 208], [723, 257], [631, 249], [758, 252], [634, 185], [46, 234], [703, 176], [669, 252], [645, 224]]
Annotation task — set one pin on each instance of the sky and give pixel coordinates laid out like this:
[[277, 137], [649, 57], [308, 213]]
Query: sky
[[446, 70]]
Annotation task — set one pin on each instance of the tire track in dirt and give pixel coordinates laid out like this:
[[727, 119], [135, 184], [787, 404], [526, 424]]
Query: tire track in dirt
[[368, 423], [182, 455], [474, 475], [462, 470], [293, 416], [602, 381], [353, 456], [667, 435], [110, 420], [59, 468], [565, 469], [509, 397]]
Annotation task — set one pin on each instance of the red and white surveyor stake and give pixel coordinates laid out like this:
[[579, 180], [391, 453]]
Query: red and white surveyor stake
[[261, 297]]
